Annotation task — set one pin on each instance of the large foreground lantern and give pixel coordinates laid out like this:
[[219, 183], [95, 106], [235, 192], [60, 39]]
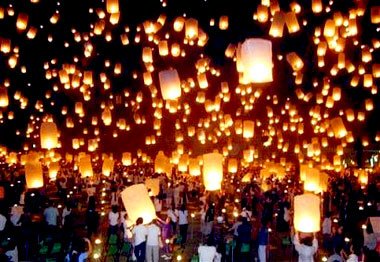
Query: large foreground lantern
[[170, 84], [256, 60], [137, 203], [307, 213], [49, 135], [212, 171], [33, 175]]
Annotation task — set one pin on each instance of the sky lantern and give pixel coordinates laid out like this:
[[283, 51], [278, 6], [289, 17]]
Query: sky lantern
[[170, 84], [262, 13], [107, 116], [22, 21], [112, 6], [277, 27], [232, 165], [248, 129], [256, 60], [312, 180], [375, 14], [191, 28], [4, 100], [126, 159], [49, 135], [194, 168], [137, 203], [212, 171], [85, 166], [338, 127], [295, 61], [107, 167], [33, 174], [307, 213], [53, 170], [291, 22], [223, 22], [162, 164]]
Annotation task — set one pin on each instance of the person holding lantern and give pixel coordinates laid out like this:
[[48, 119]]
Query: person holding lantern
[[306, 247], [139, 235]]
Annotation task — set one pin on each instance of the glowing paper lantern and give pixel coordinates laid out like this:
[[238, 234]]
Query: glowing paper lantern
[[126, 159], [112, 6], [107, 167], [212, 171], [194, 168], [316, 6], [232, 165], [33, 175], [48, 135], [247, 178], [375, 14], [153, 184], [191, 28], [312, 180], [338, 127], [291, 22], [85, 166], [4, 101], [170, 84], [53, 170], [248, 128], [256, 60], [295, 61], [307, 213], [162, 164], [22, 21], [137, 203], [277, 27]]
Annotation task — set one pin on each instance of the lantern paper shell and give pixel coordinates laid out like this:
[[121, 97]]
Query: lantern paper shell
[[248, 128], [170, 84], [33, 175], [338, 127], [307, 213], [256, 60], [107, 167], [127, 159], [85, 167], [4, 100], [49, 135], [137, 203], [154, 185], [212, 171]]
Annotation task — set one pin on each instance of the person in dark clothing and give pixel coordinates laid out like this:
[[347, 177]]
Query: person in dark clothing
[[92, 218], [243, 240]]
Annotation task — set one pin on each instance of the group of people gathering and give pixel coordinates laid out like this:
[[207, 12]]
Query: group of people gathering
[[241, 222]]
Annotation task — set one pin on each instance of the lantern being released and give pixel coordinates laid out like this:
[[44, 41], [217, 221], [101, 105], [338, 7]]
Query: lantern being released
[[33, 175], [154, 185], [212, 171], [307, 213], [49, 135], [170, 84], [137, 203], [256, 60]]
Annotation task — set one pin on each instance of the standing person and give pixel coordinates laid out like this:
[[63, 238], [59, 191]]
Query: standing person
[[167, 234], [139, 236], [207, 252], [243, 240], [153, 241], [209, 219], [263, 239], [370, 243], [92, 218], [171, 212], [183, 223], [326, 230], [51, 215], [66, 211], [113, 219], [306, 248]]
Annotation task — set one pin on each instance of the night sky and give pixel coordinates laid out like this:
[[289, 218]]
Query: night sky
[[64, 43]]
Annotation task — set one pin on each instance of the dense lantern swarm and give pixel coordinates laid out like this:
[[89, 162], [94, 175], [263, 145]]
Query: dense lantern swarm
[[265, 80]]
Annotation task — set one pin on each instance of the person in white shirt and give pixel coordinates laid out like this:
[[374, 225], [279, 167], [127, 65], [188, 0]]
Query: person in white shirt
[[326, 229], [306, 248], [153, 242], [183, 223], [206, 253], [85, 254], [113, 219], [139, 236], [171, 213], [66, 211]]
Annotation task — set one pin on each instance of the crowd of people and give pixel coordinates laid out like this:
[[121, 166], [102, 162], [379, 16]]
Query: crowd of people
[[78, 219]]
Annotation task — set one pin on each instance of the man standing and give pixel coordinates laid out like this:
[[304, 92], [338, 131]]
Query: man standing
[[139, 236], [153, 242]]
